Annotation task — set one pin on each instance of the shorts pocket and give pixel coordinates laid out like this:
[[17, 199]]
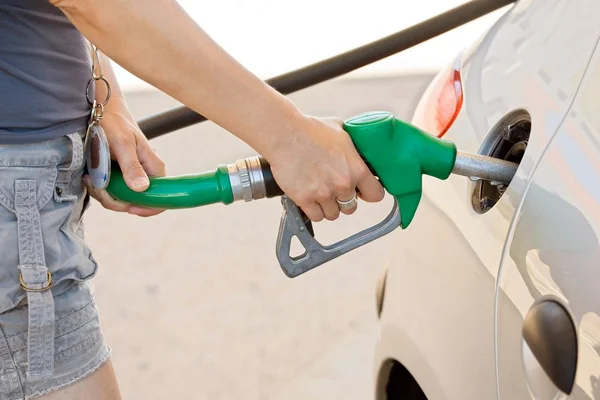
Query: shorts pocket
[[44, 176], [68, 256]]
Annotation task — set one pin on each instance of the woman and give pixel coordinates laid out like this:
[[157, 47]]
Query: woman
[[51, 344]]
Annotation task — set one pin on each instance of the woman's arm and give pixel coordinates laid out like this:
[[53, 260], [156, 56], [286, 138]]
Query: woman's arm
[[158, 42], [313, 160]]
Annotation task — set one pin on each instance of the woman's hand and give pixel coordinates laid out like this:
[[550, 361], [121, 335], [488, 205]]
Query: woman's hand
[[130, 148], [320, 164]]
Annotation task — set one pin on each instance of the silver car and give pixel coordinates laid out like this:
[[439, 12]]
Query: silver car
[[493, 292]]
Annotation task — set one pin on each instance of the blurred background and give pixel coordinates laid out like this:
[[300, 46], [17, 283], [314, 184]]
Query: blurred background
[[193, 302]]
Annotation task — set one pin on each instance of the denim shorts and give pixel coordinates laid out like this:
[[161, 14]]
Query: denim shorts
[[50, 334]]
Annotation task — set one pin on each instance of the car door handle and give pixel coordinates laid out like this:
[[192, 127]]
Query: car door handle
[[549, 332]]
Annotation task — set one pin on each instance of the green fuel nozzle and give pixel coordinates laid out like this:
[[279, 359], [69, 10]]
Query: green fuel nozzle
[[398, 153], [175, 192]]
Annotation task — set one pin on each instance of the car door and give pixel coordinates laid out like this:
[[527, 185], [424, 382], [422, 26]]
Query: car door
[[548, 286]]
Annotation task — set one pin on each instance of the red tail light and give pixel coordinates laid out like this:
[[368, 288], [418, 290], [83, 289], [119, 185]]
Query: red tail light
[[441, 102]]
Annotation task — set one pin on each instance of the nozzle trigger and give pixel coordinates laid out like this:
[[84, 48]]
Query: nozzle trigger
[[293, 223]]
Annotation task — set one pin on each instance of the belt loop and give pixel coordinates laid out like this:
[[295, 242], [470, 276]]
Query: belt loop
[[36, 280], [65, 175]]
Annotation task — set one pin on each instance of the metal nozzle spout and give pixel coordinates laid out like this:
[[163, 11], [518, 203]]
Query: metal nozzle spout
[[486, 168]]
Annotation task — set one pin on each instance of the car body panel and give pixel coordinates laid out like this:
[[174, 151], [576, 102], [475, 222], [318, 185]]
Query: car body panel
[[438, 312], [553, 249]]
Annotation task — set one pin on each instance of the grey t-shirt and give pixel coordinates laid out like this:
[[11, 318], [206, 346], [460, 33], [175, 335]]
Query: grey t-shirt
[[44, 69]]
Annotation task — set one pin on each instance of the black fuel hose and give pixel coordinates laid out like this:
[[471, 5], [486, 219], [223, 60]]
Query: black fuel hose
[[181, 117]]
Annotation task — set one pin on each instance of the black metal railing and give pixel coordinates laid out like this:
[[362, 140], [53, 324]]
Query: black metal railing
[[181, 117]]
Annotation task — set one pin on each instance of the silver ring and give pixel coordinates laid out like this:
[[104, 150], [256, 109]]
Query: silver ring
[[347, 204]]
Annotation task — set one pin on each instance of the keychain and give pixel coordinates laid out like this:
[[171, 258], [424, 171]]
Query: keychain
[[95, 144]]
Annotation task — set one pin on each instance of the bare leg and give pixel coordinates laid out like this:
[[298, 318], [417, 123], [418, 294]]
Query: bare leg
[[101, 385]]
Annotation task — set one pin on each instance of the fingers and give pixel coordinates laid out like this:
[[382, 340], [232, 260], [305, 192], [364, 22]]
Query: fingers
[[313, 211], [370, 190], [108, 202], [150, 160], [144, 211], [105, 199], [126, 155], [369, 187], [153, 165], [330, 209]]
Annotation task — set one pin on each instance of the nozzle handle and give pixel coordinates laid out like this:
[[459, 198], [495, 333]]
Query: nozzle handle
[[400, 154], [246, 179], [175, 192]]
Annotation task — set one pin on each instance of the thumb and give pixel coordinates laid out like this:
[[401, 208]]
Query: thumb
[[133, 172], [150, 160]]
